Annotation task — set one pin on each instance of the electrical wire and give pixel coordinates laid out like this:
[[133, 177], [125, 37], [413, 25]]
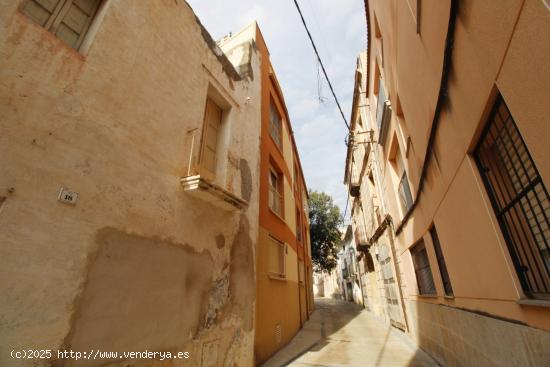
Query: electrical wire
[[320, 62]]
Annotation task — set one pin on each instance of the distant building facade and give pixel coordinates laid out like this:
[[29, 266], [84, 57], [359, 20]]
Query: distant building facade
[[448, 172]]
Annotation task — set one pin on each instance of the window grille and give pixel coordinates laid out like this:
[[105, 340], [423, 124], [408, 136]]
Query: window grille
[[422, 269], [519, 198], [69, 20], [441, 263]]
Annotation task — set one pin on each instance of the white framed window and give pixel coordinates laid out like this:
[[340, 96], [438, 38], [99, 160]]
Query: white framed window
[[69, 20], [275, 199]]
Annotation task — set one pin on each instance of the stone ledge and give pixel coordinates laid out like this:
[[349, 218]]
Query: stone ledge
[[198, 187], [534, 302]]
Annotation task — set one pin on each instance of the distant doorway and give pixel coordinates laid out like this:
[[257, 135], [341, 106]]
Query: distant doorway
[[390, 288]]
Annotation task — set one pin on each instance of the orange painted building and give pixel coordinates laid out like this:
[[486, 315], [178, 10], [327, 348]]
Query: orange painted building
[[284, 298]]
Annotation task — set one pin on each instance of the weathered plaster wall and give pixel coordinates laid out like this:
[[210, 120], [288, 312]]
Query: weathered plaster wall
[[136, 260]]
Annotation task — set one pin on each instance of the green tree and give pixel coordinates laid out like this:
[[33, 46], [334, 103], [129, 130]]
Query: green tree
[[324, 219]]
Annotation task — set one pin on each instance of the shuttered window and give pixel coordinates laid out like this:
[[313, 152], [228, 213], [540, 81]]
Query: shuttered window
[[276, 257], [67, 19], [275, 125], [209, 146], [424, 277]]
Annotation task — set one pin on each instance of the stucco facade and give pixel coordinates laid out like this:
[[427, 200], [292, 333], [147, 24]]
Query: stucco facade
[[438, 76], [112, 237], [284, 293]]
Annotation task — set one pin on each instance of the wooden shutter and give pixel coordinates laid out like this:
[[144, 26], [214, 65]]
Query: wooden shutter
[[67, 19], [42, 11], [74, 20], [276, 258], [212, 124]]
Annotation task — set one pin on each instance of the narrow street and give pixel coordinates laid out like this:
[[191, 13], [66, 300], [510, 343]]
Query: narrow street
[[342, 333]]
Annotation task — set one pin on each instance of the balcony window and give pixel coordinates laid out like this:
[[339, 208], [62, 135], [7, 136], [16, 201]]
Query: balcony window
[[275, 125], [422, 270], [519, 198], [69, 20], [275, 192]]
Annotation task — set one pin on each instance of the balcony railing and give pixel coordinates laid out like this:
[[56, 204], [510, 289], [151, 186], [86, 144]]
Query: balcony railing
[[195, 184]]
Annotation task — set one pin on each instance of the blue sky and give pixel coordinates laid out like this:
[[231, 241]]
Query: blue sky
[[339, 31]]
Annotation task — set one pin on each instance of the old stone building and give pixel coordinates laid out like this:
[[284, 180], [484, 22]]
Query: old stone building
[[448, 172], [129, 183]]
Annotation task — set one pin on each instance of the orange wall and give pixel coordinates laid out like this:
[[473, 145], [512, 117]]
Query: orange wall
[[454, 198], [279, 302]]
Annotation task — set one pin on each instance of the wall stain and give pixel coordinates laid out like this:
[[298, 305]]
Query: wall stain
[[246, 179], [220, 241], [241, 280], [219, 295], [139, 293]]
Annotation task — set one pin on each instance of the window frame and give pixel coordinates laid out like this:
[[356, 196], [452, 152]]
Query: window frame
[[442, 265], [278, 140], [279, 190], [416, 250], [60, 11], [281, 252], [404, 192], [202, 169], [299, 229], [507, 199]]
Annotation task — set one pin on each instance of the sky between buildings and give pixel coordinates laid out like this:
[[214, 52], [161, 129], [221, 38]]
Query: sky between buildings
[[339, 31]]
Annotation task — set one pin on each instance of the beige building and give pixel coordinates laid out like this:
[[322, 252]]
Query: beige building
[[129, 184], [448, 172]]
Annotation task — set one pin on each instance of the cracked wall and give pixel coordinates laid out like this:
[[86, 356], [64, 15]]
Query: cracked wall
[[136, 262]]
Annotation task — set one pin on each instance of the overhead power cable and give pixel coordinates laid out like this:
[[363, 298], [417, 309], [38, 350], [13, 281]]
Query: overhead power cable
[[321, 63]]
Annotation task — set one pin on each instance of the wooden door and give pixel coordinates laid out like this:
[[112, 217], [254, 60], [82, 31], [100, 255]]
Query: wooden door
[[390, 288], [210, 136]]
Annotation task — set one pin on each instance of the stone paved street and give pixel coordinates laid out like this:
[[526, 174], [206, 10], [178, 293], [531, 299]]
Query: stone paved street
[[341, 333]]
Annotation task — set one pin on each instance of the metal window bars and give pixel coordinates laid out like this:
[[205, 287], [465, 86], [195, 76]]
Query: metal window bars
[[422, 269], [519, 198]]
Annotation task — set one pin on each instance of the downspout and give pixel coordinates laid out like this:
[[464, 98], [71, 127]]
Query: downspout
[[443, 95]]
